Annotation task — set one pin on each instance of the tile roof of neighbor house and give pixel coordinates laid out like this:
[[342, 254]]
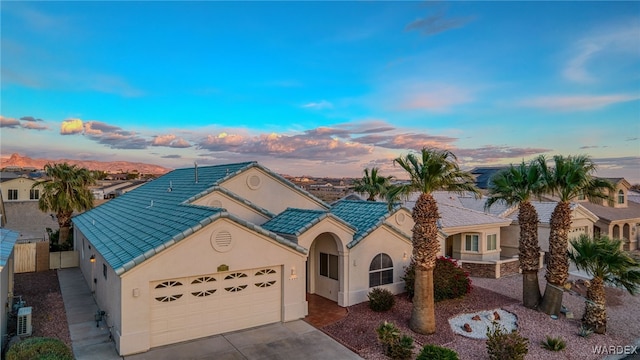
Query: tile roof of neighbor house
[[141, 223], [7, 241], [455, 216], [634, 196], [484, 174], [632, 211]]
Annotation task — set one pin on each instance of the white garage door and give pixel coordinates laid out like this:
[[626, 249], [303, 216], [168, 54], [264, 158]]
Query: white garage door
[[194, 307]]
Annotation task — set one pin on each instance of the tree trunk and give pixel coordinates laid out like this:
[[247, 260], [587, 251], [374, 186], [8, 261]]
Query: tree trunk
[[425, 250], [423, 316], [558, 264], [595, 313], [64, 221], [529, 254]]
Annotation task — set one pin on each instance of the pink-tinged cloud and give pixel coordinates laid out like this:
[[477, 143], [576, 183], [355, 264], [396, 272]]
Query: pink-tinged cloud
[[170, 140], [71, 126], [9, 122], [34, 126], [577, 102], [493, 153], [436, 100], [408, 141]]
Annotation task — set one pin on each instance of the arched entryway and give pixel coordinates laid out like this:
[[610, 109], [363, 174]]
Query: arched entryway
[[616, 231], [626, 232], [325, 267]]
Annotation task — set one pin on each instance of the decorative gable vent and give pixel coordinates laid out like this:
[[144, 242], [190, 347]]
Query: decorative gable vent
[[254, 182], [222, 242]]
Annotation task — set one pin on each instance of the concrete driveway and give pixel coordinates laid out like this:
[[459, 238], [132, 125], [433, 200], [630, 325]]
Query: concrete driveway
[[292, 340]]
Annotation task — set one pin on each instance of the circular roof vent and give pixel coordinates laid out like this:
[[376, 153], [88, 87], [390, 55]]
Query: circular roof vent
[[222, 241], [215, 203], [400, 218], [254, 182]]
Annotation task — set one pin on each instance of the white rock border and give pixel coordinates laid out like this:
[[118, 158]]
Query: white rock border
[[508, 321]]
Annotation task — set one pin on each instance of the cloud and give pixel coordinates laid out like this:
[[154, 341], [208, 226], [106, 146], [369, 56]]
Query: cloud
[[9, 122], [34, 126], [172, 157], [346, 130], [170, 140], [621, 38], [71, 126], [30, 118], [437, 22], [406, 141], [577, 102], [321, 105], [494, 153], [631, 139]]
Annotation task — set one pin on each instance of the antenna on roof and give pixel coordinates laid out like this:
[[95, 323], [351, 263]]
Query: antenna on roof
[[170, 186], [195, 163], [150, 205]]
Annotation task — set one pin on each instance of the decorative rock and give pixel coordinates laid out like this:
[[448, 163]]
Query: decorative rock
[[467, 327], [491, 317], [476, 318], [496, 316], [569, 315]]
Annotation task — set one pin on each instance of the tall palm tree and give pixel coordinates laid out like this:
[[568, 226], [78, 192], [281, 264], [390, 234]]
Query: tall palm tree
[[606, 263], [570, 177], [64, 191], [429, 170], [516, 185], [372, 184]]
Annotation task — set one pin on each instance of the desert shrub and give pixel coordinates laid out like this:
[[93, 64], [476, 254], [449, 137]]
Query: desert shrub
[[381, 299], [585, 331], [396, 346], [506, 346], [554, 343], [435, 352], [39, 348], [450, 281]]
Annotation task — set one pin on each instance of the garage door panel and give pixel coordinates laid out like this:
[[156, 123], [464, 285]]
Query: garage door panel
[[204, 305]]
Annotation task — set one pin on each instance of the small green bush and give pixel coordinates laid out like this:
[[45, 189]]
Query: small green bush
[[435, 352], [39, 348], [506, 346], [450, 281], [396, 346], [381, 299], [585, 331], [554, 343]]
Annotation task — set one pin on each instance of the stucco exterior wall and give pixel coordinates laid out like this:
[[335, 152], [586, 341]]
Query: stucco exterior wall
[[381, 240], [243, 211], [23, 185], [6, 290], [402, 221], [195, 256], [268, 192], [459, 251]]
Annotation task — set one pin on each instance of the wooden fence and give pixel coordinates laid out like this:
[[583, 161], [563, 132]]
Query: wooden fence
[[35, 256]]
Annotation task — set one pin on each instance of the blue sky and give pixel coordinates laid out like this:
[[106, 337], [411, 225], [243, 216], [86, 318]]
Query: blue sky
[[322, 88]]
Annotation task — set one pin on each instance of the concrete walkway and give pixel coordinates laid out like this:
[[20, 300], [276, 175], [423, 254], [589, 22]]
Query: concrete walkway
[[292, 340]]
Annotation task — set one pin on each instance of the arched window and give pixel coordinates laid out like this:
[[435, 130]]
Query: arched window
[[620, 197], [380, 270]]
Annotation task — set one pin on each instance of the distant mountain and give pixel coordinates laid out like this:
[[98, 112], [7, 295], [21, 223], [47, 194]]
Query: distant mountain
[[108, 166]]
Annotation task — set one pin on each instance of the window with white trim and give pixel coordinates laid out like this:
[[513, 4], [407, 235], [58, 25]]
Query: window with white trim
[[471, 242], [34, 194], [381, 270], [620, 197], [492, 241], [329, 266]]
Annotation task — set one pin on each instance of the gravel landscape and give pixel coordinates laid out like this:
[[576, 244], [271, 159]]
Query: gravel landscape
[[357, 330]]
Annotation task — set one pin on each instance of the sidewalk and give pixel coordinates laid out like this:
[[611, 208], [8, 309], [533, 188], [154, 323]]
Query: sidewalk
[[88, 341]]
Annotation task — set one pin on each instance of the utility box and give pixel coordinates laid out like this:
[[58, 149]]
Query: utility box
[[24, 321]]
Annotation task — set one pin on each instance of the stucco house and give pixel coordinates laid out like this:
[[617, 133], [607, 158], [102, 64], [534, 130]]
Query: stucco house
[[206, 250], [7, 241]]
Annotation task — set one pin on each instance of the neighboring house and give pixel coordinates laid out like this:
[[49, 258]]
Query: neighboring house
[[207, 250], [618, 217], [7, 241], [329, 192], [20, 209]]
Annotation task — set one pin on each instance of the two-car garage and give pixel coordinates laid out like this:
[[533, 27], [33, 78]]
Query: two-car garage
[[209, 304]]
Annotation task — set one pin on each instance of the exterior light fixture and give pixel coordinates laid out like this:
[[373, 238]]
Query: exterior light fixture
[[293, 275], [92, 258]]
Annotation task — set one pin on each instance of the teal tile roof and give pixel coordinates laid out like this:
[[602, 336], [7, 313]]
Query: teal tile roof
[[294, 221], [139, 224], [7, 241], [365, 216]]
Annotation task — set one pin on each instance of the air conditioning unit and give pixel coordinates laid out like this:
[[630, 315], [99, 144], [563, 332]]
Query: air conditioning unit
[[24, 321]]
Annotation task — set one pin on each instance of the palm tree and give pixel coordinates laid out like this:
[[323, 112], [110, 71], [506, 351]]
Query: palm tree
[[65, 191], [428, 171], [373, 185], [570, 177], [606, 263], [516, 185]]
